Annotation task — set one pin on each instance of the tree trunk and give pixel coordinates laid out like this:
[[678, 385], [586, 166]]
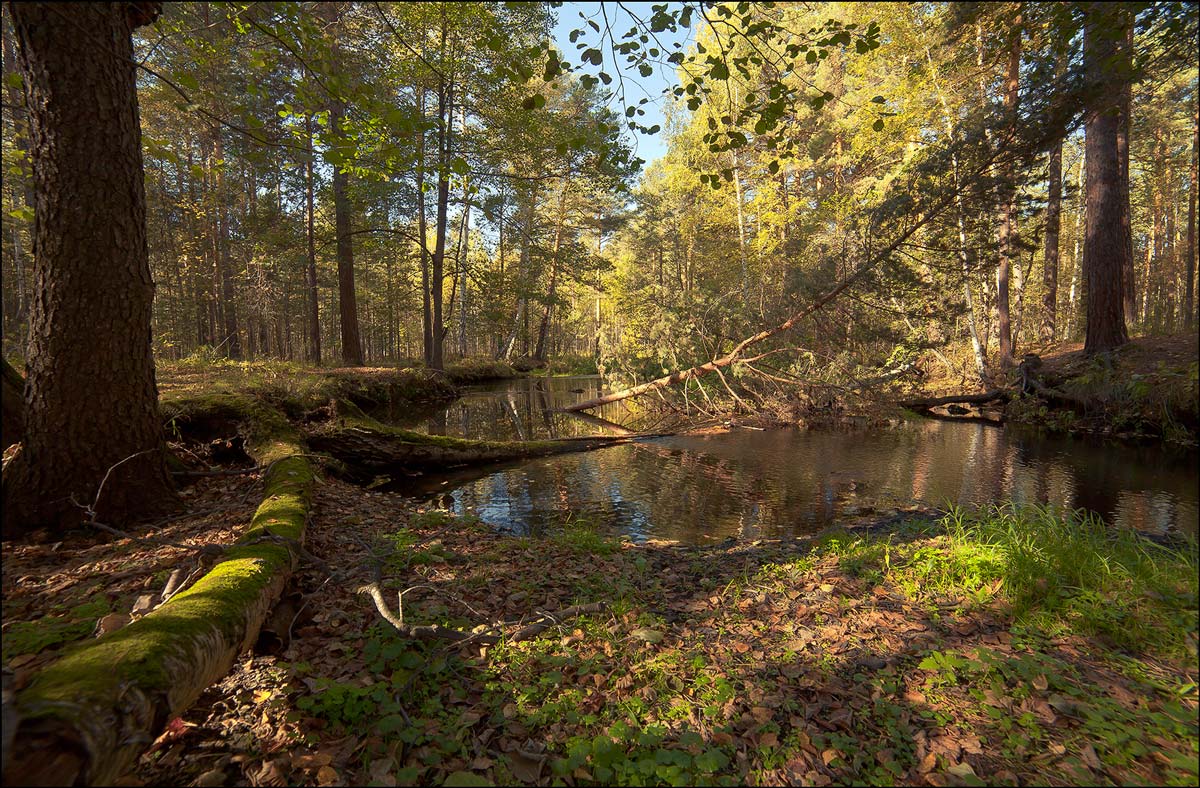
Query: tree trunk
[[314, 307], [1006, 235], [445, 132], [423, 231], [352, 354], [91, 401], [539, 352], [1154, 247], [228, 310], [1189, 303], [1124, 118], [1050, 259], [86, 718], [1105, 252]]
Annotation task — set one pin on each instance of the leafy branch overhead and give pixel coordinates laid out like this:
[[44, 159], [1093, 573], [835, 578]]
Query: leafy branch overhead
[[749, 44]]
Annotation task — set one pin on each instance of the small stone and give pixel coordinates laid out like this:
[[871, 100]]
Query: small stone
[[111, 623], [144, 604]]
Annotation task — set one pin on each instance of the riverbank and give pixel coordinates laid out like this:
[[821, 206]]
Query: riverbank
[[921, 651], [911, 649]]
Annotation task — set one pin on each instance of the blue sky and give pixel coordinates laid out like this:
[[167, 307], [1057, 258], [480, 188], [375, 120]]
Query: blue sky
[[649, 146]]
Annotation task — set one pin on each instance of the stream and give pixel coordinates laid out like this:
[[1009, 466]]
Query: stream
[[777, 483]]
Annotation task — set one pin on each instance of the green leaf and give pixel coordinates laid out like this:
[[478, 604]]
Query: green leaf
[[592, 56], [467, 780], [187, 81], [719, 71], [877, 125]]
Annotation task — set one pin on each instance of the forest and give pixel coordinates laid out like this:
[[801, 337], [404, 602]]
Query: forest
[[601, 393]]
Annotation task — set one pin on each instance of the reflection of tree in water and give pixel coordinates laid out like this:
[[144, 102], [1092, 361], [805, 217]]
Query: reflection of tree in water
[[785, 482]]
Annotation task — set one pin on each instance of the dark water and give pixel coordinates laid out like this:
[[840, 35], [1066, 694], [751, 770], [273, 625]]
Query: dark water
[[786, 482]]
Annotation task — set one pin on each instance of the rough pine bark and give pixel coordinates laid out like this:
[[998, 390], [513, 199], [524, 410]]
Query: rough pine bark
[[91, 401], [1105, 252]]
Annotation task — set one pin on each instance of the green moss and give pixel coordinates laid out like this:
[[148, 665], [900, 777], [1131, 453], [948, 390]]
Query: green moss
[[30, 637], [218, 604]]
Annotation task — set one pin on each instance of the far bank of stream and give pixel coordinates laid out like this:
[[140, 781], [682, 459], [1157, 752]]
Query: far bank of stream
[[780, 483]]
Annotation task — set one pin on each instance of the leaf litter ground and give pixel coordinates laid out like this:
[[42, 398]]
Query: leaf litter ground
[[765, 663]]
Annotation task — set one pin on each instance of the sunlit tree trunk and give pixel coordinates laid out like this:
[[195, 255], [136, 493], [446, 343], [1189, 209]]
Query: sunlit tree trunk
[[1050, 258], [1189, 304], [1006, 234]]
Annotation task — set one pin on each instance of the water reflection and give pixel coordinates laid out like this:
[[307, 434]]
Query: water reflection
[[525, 409], [785, 482]]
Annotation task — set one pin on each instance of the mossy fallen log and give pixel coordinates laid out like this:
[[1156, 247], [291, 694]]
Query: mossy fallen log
[[87, 717], [359, 441], [368, 448]]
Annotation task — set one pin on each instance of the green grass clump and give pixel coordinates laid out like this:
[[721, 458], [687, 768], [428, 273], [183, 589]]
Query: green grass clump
[[1057, 571], [1072, 570]]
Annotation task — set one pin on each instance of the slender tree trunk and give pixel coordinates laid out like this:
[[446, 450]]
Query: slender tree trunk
[[464, 250], [1050, 259], [352, 354], [1006, 235], [445, 142], [423, 231], [228, 309], [314, 307], [1189, 304], [1124, 116], [1076, 261], [1105, 253], [543, 328], [91, 401], [977, 346], [741, 223], [1154, 246]]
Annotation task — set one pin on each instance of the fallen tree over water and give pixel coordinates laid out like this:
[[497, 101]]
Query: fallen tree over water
[[361, 442]]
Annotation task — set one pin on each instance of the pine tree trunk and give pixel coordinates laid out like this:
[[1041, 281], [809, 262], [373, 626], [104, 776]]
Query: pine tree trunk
[[1050, 259], [1124, 115], [352, 354], [230, 342], [1190, 296], [1105, 252], [1008, 209], [91, 401], [445, 130], [314, 308], [539, 352], [423, 231]]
